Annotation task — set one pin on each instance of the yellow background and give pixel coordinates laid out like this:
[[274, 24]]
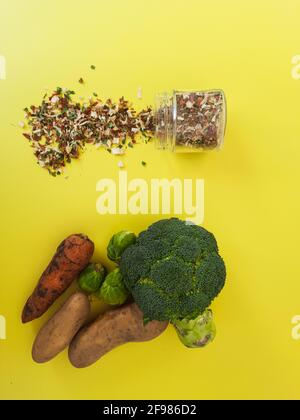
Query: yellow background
[[251, 188]]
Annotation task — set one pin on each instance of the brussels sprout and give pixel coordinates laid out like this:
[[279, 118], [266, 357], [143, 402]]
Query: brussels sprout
[[92, 277], [196, 332], [113, 290], [118, 243]]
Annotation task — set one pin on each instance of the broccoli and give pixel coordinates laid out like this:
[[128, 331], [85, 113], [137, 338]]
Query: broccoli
[[174, 270]]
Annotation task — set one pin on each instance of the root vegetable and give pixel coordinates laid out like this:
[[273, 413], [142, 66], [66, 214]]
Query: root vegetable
[[71, 257], [58, 332], [114, 328]]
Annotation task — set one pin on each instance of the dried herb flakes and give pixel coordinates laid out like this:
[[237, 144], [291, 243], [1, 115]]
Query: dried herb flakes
[[60, 127]]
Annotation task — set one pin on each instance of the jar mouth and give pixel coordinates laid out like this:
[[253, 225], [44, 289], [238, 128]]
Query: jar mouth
[[163, 122]]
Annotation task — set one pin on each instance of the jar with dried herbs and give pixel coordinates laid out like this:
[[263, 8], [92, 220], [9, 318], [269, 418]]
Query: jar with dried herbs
[[190, 121]]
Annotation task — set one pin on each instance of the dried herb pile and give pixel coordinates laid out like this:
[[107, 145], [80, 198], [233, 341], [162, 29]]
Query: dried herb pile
[[60, 127]]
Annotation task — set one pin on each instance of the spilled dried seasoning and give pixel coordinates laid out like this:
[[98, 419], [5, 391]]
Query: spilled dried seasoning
[[60, 127]]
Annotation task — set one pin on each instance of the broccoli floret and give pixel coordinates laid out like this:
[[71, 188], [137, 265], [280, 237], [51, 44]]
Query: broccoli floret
[[173, 270]]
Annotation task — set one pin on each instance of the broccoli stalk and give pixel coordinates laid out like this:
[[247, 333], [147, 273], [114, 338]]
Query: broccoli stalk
[[198, 332]]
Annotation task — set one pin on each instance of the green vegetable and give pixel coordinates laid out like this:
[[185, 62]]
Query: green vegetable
[[196, 332], [92, 277], [113, 290], [173, 271], [118, 243]]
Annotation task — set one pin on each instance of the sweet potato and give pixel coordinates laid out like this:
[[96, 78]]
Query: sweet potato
[[115, 327], [58, 332], [71, 257]]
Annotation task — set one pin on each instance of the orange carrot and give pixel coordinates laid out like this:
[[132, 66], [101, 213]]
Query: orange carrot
[[71, 257]]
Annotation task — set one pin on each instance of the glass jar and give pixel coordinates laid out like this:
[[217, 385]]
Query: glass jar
[[190, 121]]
